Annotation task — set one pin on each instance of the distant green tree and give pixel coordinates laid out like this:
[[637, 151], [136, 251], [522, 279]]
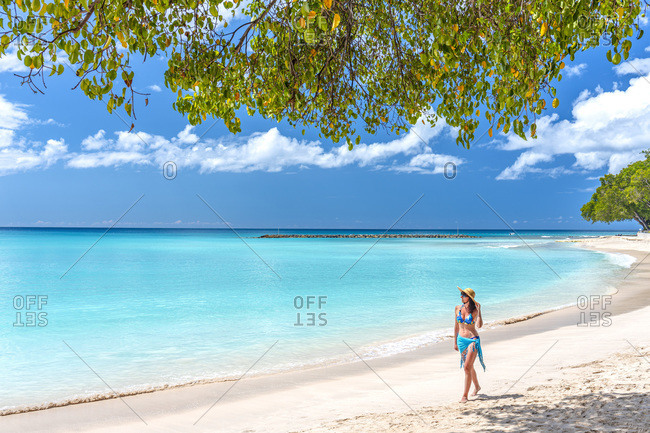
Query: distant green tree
[[623, 196]]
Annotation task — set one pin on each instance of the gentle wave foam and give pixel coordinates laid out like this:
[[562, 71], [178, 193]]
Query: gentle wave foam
[[620, 259]]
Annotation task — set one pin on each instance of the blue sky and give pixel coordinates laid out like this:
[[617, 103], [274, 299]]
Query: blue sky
[[64, 161]]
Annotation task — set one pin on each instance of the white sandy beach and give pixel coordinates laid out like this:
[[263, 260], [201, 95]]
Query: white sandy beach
[[543, 374]]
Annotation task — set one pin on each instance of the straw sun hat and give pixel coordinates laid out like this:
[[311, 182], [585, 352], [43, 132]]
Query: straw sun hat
[[469, 292]]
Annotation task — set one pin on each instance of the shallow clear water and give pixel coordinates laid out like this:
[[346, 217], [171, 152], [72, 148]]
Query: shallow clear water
[[153, 307]]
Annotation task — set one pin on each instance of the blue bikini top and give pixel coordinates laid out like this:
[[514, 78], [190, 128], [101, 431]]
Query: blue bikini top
[[469, 320]]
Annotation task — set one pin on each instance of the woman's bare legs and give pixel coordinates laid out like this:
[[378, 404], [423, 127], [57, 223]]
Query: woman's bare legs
[[468, 367], [477, 388]]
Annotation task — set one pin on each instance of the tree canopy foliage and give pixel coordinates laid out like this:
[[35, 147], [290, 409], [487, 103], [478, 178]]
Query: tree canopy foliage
[[336, 65], [623, 196]]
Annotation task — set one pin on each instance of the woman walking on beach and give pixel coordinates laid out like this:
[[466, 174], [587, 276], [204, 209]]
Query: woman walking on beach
[[466, 339]]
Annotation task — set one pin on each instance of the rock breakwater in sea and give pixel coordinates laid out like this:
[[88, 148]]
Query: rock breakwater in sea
[[355, 236]]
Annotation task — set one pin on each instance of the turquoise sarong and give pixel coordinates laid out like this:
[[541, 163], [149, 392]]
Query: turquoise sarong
[[463, 343]]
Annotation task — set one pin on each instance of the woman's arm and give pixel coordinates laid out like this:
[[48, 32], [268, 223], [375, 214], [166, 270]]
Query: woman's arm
[[479, 318], [456, 330]]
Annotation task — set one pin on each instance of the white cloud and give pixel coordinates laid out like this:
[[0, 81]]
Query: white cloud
[[608, 129], [12, 115], [584, 95], [16, 153], [647, 48], [49, 121], [9, 62], [21, 157], [635, 66], [6, 137], [575, 70], [617, 161], [591, 160], [431, 163], [186, 136], [261, 151], [154, 88], [524, 164], [95, 142], [107, 159]]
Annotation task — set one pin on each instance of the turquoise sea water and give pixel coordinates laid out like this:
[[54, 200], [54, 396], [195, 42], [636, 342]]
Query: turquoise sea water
[[149, 308]]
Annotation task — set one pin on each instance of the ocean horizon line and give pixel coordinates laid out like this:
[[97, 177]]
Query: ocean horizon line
[[311, 228]]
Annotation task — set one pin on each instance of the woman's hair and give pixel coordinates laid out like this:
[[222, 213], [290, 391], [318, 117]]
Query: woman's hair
[[471, 305]]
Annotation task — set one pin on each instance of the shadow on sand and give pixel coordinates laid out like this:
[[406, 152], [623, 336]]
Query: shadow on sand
[[597, 412]]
